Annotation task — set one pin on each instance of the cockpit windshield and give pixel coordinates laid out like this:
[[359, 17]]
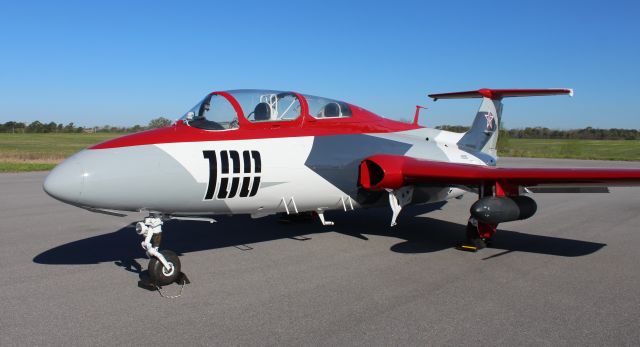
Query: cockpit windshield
[[212, 113]]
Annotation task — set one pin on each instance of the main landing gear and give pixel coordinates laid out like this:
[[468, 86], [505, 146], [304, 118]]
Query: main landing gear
[[497, 203], [164, 266], [478, 235]]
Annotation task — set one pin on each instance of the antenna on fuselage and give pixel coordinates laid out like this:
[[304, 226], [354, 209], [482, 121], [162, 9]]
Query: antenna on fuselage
[[417, 115]]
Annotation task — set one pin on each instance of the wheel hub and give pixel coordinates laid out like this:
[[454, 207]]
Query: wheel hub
[[168, 272]]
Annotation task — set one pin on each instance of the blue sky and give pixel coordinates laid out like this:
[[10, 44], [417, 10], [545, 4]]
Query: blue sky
[[124, 63]]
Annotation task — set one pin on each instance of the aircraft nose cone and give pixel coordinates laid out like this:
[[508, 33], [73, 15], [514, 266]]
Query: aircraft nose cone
[[66, 181]]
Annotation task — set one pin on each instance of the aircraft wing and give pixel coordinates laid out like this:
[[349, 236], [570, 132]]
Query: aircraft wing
[[394, 171]]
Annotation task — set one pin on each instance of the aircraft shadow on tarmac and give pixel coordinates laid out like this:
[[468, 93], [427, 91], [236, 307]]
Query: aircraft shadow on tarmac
[[421, 235]]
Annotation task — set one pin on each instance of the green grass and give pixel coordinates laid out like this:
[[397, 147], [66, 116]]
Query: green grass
[[572, 149], [39, 152], [25, 166]]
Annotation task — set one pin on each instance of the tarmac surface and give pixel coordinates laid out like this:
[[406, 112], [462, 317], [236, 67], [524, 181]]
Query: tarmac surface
[[570, 275]]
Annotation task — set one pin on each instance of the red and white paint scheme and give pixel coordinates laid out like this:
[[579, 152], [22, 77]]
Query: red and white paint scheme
[[263, 152]]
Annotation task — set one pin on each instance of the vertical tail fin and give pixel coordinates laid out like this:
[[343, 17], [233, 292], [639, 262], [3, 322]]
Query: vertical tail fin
[[483, 135]]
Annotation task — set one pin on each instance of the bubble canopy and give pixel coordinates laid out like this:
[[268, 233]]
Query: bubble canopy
[[230, 109]]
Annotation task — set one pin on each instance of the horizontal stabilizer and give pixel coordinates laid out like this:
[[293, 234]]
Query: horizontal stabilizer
[[498, 94]]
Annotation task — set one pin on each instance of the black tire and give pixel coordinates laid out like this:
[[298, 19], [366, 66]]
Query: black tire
[[158, 274]]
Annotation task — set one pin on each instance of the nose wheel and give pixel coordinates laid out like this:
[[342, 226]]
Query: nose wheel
[[160, 275], [164, 266]]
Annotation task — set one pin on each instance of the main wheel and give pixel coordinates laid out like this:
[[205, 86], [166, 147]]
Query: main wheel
[[161, 276]]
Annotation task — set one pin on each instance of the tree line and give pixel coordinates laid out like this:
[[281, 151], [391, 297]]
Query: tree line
[[587, 133], [53, 127]]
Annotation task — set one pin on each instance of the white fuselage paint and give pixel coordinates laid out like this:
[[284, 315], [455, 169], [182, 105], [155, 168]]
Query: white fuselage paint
[[288, 185], [285, 180]]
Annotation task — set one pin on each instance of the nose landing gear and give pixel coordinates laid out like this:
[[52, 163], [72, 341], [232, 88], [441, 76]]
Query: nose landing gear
[[164, 266]]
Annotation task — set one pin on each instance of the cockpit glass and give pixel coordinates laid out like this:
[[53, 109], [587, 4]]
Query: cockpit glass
[[213, 113], [267, 105], [327, 108]]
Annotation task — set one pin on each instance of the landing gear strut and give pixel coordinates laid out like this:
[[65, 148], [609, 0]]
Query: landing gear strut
[[164, 266], [478, 235]]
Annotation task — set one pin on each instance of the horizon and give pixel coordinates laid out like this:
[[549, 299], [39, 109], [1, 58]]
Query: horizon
[[406, 120], [120, 63]]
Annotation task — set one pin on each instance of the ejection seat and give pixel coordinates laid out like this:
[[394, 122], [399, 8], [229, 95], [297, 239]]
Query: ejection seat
[[331, 110], [262, 112]]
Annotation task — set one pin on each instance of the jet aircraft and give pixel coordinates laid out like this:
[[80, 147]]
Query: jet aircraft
[[263, 152]]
